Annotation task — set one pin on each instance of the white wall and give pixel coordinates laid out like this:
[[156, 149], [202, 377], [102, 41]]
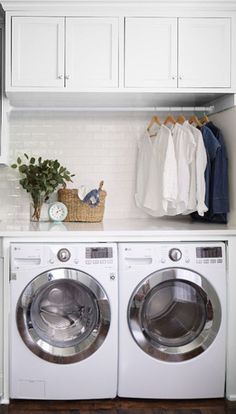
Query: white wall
[[94, 146]]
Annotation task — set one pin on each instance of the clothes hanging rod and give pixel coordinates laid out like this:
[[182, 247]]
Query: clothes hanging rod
[[208, 109]]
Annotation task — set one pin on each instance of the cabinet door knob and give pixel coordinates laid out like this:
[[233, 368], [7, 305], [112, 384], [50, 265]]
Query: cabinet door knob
[[60, 77], [173, 77], [180, 78], [67, 77]]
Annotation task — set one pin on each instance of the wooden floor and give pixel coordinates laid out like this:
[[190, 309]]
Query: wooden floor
[[121, 406]]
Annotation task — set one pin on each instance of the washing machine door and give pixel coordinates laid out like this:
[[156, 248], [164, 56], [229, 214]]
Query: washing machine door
[[63, 315], [174, 314]]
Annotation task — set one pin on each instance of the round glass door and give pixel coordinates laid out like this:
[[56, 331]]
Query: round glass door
[[63, 316], [174, 314]]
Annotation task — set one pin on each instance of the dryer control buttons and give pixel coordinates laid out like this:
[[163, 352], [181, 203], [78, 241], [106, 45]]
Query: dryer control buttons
[[175, 254], [63, 255]]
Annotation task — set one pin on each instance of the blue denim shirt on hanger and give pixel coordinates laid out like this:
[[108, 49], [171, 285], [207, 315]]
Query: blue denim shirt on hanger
[[220, 190], [212, 147]]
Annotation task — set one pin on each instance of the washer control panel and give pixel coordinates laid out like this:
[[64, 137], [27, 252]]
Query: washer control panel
[[29, 255]]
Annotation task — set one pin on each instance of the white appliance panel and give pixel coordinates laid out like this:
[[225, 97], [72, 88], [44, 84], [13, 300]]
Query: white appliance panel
[[140, 374], [32, 377]]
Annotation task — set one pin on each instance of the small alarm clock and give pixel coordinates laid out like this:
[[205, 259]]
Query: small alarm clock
[[57, 211]]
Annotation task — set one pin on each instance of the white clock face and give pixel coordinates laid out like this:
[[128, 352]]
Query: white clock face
[[58, 211]]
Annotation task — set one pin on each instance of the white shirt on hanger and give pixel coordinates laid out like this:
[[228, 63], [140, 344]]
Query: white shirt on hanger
[[157, 176], [184, 144], [143, 163], [197, 170]]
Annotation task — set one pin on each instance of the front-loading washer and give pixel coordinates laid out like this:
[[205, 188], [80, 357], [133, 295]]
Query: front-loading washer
[[172, 320], [64, 321]]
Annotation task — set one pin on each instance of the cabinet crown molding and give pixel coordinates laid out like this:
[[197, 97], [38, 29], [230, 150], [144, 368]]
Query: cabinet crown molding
[[23, 5]]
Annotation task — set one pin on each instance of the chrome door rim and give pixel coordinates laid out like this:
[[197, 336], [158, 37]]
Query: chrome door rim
[[56, 354], [177, 353]]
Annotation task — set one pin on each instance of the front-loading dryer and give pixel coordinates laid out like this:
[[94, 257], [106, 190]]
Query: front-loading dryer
[[64, 321], [172, 328]]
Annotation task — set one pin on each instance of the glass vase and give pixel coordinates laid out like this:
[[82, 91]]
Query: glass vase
[[39, 210]]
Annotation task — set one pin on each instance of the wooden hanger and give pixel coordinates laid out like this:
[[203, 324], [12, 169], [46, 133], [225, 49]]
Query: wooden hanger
[[181, 119], [154, 120], [204, 119], [194, 120], [169, 120]]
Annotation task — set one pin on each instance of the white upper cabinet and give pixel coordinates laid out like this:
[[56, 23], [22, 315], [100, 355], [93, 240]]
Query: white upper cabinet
[[151, 52], [91, 53], [204, 52], [177, 52], [37, 52], [74, 53], [119, 53]]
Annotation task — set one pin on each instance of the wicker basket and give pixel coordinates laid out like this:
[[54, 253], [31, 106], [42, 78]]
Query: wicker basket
[[80, 211]]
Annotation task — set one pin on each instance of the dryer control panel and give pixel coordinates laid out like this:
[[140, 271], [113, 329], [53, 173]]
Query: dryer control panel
[[191, 254], [158, 255]]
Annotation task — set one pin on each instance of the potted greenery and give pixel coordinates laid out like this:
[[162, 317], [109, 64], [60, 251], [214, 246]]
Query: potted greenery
[[40, 179]]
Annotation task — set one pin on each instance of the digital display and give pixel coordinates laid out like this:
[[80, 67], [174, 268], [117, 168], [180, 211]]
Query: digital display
[[99, 253], [208, 252]]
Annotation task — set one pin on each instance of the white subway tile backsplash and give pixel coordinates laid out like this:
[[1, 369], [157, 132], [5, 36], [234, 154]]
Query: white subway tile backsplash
[[92, 146]]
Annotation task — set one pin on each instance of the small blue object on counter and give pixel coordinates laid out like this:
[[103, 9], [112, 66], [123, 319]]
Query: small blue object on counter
[[93, 197]]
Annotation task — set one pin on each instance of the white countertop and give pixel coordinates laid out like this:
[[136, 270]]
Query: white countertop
[[117, 230]]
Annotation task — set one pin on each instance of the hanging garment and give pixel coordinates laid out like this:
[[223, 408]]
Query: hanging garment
[[218, 189], [143, 164], [157, 173], [197, 189], [212, 147], [183, 170], [185, 146], [220, 194]]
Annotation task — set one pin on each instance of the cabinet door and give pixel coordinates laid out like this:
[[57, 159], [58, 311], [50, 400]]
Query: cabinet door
[[38, 52], [151, 52], [91, 53], [204, 52]]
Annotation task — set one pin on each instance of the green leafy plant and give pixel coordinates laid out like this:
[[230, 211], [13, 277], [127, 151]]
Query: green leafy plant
[[41, 178]]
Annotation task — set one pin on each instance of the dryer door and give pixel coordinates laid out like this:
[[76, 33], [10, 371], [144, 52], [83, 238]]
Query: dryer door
[[174, 314], [63, 315]]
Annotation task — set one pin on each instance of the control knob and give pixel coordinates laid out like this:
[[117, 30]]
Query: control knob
[[63, 255], [175, 254]]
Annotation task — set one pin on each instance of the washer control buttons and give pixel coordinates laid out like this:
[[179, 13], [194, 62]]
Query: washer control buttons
[[63, 255], [175, 254]]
